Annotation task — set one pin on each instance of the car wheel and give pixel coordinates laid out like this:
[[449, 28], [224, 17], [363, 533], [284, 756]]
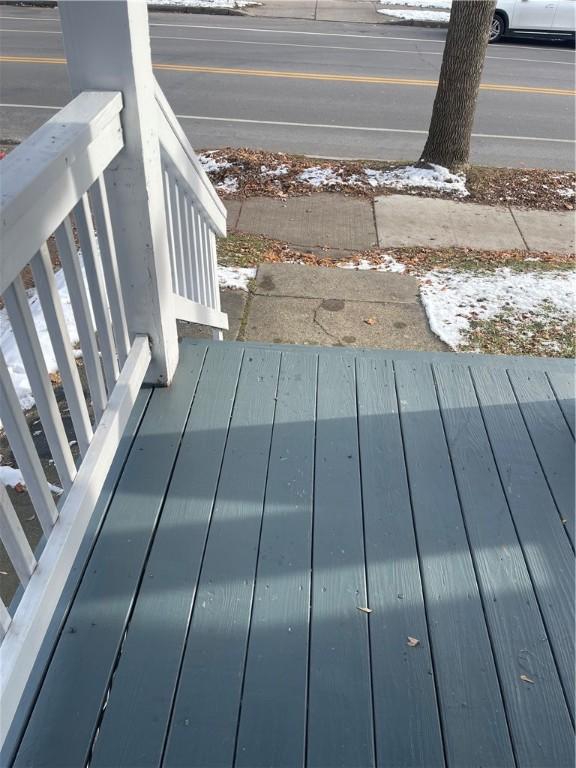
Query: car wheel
[[497, 28]]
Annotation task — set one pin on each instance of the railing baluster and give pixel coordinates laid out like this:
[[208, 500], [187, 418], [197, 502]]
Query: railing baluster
[[83, 316], [23, 449], [30, 349], [14, 539], [199, 239], [195, 272], [176, 225], [208, 264], [62, 346], [95, 279], [170, 228], [214, 267], [99, 198], [5, 619], [187, 250]]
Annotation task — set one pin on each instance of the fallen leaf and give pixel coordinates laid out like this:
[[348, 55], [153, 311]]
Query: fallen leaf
[[412, 642], [20, 488], [526, 679], [363, 609], [370, 321], [564, 521]]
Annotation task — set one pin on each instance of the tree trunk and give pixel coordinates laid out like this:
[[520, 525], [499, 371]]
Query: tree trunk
[[448, 142]]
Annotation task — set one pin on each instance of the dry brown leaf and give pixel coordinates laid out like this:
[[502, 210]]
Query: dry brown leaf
[[526, 679], [364, 609], [412, 642], [20, 488], [370, 321]]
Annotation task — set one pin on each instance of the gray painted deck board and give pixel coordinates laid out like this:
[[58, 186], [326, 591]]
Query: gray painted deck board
[[340, 720], [467, 679], [63, 723], [204, 723], [139, 707], [551, 437], [562, 382], [546, 547], [406, 714], [539, 719], [273, 721], [269, 494]]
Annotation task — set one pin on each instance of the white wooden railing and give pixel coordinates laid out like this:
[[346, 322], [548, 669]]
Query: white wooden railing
[[112, 184]]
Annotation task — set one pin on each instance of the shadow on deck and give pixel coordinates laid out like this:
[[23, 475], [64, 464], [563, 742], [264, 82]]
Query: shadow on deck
[[325, 558]]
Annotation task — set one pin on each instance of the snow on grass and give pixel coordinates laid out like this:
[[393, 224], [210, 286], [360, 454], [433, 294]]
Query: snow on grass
[[435, 177], [452, 299], [211, 165], [228, 4], [235, 277], [280, 170], [387, 264], [409, 15], [321, 177], [566, 192], [229, 185], [445, 4], [13, 477], [10, 348]]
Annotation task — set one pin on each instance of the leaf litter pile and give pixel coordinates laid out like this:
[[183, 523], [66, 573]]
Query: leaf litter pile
[[247, 173]]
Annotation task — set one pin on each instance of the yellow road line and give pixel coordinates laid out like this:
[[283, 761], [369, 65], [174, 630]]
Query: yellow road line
[[370, 80]]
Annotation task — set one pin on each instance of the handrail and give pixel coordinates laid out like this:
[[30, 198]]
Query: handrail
[[195, 175], [44, 177]]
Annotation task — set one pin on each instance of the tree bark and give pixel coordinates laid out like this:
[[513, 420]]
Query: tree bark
[[448, 142]]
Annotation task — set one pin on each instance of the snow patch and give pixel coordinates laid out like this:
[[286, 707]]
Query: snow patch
[[446, 4], [435, 177], [13, 477], [230, 184], [211, 165], [566, 192], [387, 264], [229, 4], [280, 170], [451, 298], [321, 177], [442, 16], [235, 277], [10, 348]]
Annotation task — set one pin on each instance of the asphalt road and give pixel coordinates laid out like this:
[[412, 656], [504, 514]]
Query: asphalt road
[[325, 89]]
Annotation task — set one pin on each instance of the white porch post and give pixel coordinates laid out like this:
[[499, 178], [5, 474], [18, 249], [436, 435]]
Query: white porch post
[[107, 46]]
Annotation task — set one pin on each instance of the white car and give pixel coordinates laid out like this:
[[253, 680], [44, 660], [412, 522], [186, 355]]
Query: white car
[[533, 16]]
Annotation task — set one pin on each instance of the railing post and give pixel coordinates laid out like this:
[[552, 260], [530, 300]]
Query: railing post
[[107, 47]]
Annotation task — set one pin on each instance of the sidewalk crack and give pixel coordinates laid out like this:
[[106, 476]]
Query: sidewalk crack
[[319, 324], [518, 228]]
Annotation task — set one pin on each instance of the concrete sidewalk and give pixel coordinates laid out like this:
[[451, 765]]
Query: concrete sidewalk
[[338, 225], [332, 10]]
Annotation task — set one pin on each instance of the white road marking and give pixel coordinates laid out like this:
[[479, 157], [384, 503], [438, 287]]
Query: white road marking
[[309, 45], [323, 126], [277, 32]]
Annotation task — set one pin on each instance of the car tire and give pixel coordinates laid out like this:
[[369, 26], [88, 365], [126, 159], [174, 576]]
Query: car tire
[[497, 28]]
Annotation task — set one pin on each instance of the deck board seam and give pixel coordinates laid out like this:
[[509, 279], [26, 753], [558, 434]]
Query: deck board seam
[[79, 580], [522, 549], [134, 601], [310, 581], [439, 709], [193, 600], [475, 565], [249, 633], [537, 454], [366, 581], [550, 382]]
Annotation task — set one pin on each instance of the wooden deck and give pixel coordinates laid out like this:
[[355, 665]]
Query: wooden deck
[[276, 527]]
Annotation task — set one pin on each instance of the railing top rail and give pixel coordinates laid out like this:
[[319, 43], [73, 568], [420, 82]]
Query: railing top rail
[[48, 173], [171, 118]]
